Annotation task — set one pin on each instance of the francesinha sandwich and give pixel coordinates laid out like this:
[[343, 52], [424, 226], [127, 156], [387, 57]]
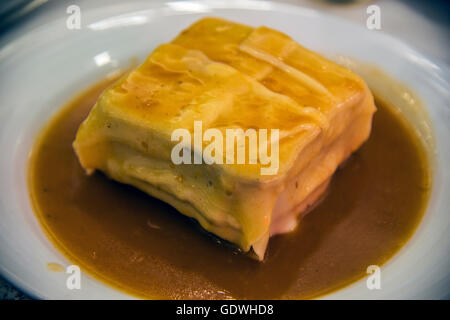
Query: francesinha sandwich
[[240, 128]]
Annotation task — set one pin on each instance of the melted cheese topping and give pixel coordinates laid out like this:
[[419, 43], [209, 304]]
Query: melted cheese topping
[[230, 76], [303, 78]]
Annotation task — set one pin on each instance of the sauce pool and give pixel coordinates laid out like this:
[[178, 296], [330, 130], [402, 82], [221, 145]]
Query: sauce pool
[[145, 247]]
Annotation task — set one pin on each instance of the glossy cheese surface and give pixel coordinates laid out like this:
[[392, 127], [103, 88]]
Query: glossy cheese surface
[[230, 76]]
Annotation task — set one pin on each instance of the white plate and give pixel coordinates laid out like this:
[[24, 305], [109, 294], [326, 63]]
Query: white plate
[[40, 70]]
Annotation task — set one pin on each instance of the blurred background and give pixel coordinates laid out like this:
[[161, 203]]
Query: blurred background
[[422, 24]]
